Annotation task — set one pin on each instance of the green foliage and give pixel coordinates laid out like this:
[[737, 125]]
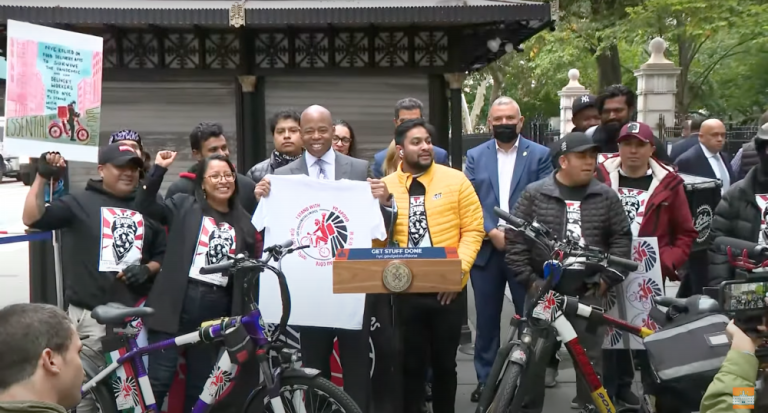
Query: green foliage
[[721, 47]]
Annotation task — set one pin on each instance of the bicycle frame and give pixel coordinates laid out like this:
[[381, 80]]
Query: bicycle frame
[[141, 398], [554, 306]]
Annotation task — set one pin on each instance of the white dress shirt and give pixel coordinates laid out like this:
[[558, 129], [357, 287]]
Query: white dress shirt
[[329, 165], [717, 164], [506, 161]]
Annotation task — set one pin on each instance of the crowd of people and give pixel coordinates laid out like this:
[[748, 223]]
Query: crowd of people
[[122, 241]]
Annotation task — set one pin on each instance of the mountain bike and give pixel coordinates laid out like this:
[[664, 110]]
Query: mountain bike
[[283, 388], [500, 394]]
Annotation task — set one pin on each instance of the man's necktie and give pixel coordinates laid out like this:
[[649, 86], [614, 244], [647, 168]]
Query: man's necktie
[[320, 170], [723, 173]]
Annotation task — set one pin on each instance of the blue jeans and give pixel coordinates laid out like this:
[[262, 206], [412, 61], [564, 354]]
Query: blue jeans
[[202, 302], [488, 283]]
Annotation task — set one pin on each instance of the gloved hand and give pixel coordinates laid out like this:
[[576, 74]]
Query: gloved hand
[[136, 274], [51, 165]]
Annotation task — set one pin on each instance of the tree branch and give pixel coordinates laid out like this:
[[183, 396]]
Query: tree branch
[[728, 53]]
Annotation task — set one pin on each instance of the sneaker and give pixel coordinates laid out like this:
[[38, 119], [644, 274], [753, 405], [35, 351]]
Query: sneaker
[[550, 377], [577, 404], [627, 397]]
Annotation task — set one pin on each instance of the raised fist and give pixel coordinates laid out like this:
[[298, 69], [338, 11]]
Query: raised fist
[[165, 158], [51, 165]]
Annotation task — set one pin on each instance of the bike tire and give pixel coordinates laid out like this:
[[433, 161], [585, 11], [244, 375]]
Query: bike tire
[[335, 393], [507, 389], [105, 400]]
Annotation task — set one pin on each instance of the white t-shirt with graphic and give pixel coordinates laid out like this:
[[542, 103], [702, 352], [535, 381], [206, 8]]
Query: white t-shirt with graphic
[[418, 228], [573, 227], [634, 202], [602, 157], [122, 239], [762, 203], [327, 216], [214, 244]]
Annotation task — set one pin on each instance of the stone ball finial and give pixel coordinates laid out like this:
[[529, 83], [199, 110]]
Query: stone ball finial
[[573, 75], [657, 47]]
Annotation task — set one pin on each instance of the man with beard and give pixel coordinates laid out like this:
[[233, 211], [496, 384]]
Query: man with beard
[[654, 200], [436, 206], [616, 105], [205, 140], [499, 170], [286, 136], [572, 203], [110, 252]]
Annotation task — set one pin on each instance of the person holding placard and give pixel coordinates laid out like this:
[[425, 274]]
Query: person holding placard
[[654, 200]]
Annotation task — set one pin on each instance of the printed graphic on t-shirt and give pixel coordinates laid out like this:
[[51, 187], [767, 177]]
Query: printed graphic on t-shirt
[[122, 239], [214, 245], [602, 157], [762, 203], [325, 231], [573, 223], [634, 202], [418, 231]]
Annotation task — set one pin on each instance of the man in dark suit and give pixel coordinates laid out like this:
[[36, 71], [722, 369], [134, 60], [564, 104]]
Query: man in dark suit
[[322, 162], [408, 108], [706, 158], [689, 141], [499, 170]]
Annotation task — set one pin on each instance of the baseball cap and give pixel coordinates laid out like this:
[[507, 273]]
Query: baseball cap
[[119, 155], [576, 142], [125, 135], [762, 132], [637, 130], [582, 102]]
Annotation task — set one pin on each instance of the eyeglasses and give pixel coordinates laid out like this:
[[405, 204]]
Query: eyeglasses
[[227, 177], [345, 141]]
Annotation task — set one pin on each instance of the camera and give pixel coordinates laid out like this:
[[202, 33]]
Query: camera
[[744, 301]]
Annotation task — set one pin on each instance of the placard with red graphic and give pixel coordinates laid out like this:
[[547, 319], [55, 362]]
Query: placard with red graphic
[[634, 297], [214, 244], [122, 239], [602, 157]]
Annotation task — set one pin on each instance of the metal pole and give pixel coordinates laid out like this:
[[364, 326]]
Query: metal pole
[[57, 259]]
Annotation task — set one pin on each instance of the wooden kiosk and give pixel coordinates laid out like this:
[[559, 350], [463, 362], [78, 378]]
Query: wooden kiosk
[[383, 274]]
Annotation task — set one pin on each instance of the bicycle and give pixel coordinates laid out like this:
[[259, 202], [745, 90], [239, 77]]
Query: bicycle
[[500, 394], [243, 336]]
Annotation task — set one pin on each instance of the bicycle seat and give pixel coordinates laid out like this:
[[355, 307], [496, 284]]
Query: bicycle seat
[[116, 313], [669, 301]]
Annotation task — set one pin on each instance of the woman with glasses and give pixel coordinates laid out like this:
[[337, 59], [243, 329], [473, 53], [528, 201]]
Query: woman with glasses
[[343, 138], [204, 228]]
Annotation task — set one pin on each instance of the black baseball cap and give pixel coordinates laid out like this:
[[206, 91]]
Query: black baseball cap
[[576, 142], [119, 154], [582, 102]]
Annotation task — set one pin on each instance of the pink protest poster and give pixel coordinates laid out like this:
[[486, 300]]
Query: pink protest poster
[[53, 92]]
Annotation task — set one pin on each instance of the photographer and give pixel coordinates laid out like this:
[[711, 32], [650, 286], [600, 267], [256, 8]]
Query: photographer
[[739, 370]]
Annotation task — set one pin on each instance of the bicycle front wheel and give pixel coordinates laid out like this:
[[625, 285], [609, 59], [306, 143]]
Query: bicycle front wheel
[[507, 389], [304, 394]]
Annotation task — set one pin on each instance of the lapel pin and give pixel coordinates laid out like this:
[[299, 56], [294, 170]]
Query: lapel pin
[[525, 153]]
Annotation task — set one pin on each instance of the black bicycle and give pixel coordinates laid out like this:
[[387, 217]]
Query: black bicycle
[[283, 388]]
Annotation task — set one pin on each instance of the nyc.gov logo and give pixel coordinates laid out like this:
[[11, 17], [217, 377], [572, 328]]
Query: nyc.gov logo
[[744, 398], [324, 230]]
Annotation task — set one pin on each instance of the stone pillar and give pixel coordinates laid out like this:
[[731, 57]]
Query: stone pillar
[[656, 88], [570, 92]]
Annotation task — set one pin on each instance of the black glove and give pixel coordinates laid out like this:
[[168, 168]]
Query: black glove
[[136, 274], [46, 170]]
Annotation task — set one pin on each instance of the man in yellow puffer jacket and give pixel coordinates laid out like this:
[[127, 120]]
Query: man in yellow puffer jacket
[[433, 206]]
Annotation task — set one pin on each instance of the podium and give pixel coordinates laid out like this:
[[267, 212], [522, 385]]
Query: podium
[[383, 274]]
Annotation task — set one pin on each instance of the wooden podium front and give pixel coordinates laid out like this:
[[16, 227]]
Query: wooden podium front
[[387, 275], [396, 270]]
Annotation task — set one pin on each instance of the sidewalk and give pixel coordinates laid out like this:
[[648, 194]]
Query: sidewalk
[[558, 399]]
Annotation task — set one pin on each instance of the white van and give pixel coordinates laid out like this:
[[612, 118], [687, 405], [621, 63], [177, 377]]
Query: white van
[[9, 165]]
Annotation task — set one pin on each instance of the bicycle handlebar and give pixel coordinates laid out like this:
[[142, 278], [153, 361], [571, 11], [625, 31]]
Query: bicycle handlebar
[[275, 252], [569, 249], [738, 247]]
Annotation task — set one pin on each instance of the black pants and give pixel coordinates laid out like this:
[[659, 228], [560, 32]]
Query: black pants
[[618, 370], [354, 354], [429, 328], [202, 302]]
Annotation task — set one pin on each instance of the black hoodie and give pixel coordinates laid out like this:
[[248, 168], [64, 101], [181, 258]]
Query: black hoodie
[[99, 228], [185, 185]]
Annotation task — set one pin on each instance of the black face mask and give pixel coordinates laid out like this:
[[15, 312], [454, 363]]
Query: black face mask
[[505, 133]]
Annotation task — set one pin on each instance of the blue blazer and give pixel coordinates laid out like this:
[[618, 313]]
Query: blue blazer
[[441, 157], [695, 162], [532, 164], [679, 148]]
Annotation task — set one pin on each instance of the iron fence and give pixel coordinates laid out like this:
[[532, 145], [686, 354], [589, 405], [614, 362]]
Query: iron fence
[[735, 135]]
